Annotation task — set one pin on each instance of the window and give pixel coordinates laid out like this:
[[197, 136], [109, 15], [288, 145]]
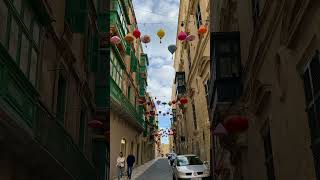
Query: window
[[83, 119], [198, 16], [255, 11], [28, 16], [3, 22], [268, 156], [17, 5], [36, 32], [226, 54], [311, 78], [33, 67], [14, 39], [116, 71], [62, 87], [24, 59], [23, 36], [194, 116]]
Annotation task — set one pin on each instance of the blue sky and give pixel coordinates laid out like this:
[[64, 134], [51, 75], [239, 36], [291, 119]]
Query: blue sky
[[151, 16]]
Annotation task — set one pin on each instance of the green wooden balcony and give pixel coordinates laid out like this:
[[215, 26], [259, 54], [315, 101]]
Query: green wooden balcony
[[19, 100], [125, 107], [118, 18]]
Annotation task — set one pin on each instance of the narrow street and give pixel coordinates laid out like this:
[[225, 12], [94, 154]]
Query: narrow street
[[160, 170]]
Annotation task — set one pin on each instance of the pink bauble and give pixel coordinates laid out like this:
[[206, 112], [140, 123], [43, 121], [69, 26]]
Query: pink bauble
[[145, 39], [182, 36], [115, 40], [190, 37]]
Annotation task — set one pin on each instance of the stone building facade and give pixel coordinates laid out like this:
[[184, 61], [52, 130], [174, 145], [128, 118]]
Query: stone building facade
[[191, 62], [129, 103], [265, 67], [50, 124]]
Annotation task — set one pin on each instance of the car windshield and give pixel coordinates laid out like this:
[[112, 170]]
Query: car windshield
[[188, 160]]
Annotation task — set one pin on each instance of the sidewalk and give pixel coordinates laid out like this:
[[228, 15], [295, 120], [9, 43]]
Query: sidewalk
[[138, 171]]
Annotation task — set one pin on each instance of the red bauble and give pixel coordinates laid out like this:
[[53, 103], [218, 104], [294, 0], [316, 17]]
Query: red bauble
[[183, 100], [136, 33], [234, 124]]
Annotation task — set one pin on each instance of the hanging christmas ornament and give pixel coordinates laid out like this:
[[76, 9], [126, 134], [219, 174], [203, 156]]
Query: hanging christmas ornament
[[168, 112], [183, 100], [158, 102], [202, 30], [159, 112], [161, 34], [190, 37], [129, 38], [164, 103], [136, 33], [172, 48], [182, 36], [170, 103], [95, 124], [234, 124], [115, 40], [173, 101], [220, 130], [149, 103], [145, 39]]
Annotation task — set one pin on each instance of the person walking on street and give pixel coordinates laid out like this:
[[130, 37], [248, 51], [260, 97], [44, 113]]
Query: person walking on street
[[120, 165], [130, 161]]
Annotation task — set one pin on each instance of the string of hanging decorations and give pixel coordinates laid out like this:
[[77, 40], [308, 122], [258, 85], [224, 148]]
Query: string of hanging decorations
[[182, 36], [181, 102]]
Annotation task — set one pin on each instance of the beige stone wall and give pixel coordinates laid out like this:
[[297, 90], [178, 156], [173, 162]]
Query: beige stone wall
[[119, 129], [292, 43], [197, 73]]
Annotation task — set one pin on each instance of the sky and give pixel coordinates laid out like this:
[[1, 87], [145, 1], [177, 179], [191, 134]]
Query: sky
[[152, 15]]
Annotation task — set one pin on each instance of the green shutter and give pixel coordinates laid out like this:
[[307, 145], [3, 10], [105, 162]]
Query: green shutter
[[134, 63]]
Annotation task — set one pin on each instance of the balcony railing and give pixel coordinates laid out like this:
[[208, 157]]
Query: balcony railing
[[117, 96], [19, 99]]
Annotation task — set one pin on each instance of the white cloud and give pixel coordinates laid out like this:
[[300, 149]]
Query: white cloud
[[158, 14]]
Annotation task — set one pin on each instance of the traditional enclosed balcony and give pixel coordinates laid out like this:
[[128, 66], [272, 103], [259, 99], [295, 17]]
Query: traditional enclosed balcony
[[180, 83], [121, 104], [37, 131], [225, 83]]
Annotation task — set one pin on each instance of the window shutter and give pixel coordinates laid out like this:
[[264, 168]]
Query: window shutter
[[134, 62]]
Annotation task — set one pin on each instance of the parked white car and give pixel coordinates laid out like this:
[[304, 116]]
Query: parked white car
[[190, 167]]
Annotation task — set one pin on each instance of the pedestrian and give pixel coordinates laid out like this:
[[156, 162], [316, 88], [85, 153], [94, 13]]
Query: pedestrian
[[173, 157], [120, 165], [130, 161]]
